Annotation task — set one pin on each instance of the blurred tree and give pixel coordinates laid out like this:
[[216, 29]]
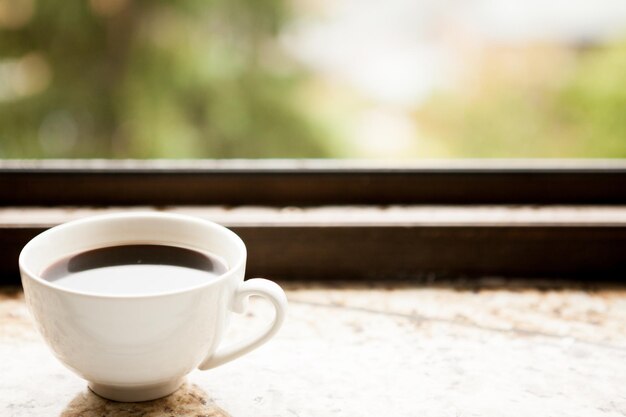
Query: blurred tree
[[556, 103], [594, 102], [150, 79]]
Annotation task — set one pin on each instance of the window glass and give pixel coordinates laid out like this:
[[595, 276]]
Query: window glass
[[392, 79]]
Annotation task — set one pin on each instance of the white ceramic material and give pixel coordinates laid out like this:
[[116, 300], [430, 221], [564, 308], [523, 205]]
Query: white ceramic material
[[140, 347]]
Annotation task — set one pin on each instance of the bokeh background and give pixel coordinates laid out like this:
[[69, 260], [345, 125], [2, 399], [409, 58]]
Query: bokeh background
[[393, 79]]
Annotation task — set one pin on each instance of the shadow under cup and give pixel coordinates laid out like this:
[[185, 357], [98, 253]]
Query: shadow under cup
[[135, 347]]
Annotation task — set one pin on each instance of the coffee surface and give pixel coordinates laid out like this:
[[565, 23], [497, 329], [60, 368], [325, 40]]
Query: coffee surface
[[134, 269]]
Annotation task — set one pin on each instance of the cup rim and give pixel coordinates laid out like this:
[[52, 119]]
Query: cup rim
[[28, 273]]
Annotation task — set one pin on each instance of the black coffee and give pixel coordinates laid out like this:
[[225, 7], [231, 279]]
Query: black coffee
[[134, 269]]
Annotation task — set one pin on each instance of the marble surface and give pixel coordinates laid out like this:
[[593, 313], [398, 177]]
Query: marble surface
[[392, 350]]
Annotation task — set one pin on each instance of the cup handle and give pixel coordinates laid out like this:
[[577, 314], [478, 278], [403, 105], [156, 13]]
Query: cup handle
[[263, 288]]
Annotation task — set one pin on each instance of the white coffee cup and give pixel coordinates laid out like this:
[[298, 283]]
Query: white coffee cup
[[140, 347]]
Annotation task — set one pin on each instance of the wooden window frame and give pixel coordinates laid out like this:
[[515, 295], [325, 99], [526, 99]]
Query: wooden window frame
[[380, 247], [294, 182]]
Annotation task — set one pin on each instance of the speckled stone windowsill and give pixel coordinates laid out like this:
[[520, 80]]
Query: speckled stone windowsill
[[373, 351]]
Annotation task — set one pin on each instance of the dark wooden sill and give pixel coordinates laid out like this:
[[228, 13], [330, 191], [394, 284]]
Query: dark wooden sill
[[397, 242]]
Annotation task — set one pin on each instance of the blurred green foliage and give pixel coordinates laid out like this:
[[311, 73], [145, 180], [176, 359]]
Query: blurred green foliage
[[594, 102], [150, 79], [580, 114], [208, 79]]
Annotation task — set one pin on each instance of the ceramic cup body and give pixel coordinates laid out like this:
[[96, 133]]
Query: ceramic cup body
[[140, 347]]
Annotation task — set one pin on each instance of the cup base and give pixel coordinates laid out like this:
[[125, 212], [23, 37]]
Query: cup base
[[139, 393]]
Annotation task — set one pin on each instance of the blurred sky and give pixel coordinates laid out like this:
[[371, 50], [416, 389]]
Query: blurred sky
[[397, 51]]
